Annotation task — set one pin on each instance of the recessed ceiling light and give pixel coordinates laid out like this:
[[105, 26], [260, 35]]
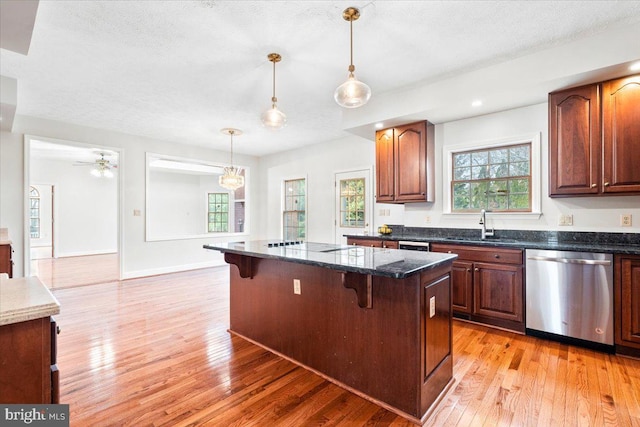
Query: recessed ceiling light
[[476, 103], [635, 66], [379, 125]]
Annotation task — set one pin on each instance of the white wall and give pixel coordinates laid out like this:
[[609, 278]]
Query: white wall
[[12, 215], [318, 164], [322, 160], [138, 256], [86, 207]]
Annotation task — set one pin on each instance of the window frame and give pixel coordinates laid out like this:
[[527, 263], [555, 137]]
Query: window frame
[[31, 209], [283, 210], [215, 213], [536, 176]]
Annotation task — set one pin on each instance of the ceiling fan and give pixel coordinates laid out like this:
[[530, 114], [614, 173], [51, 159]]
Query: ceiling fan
[[101, 166]]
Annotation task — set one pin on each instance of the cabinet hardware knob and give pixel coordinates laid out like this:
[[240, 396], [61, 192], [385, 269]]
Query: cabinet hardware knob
[[594, 185], [57, 330], [606, 184], [468, 270], [371, 245], [448, 252], [476, 269], [497, 256]]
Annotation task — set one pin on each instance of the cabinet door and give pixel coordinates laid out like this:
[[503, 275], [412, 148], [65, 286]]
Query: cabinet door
[[627, 278], [462, 286], [411, 159], [6, 264], [621, 116], [574, 141], [497, 291], [384, 165]]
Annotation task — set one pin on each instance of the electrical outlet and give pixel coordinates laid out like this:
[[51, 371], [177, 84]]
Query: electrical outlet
[[565, 219], [432, 307], [427, 219], [625, 220], [296, 286]]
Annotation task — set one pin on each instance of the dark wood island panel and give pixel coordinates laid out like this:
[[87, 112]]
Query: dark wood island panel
[[396, 353]]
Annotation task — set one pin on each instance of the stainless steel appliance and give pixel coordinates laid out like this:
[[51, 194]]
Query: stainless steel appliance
[[413, 246], [570, 294]]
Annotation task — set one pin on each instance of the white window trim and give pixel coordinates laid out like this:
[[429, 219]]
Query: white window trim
[[536, 175], [306, 203]]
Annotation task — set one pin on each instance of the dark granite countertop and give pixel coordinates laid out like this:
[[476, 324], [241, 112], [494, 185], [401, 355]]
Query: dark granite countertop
[[615, 243], [393, 263]]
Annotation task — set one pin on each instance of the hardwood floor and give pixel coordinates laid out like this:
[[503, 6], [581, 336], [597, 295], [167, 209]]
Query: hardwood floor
[[156, 351], [57, 273]]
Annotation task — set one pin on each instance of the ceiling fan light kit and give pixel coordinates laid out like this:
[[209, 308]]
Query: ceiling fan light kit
[[352, 93], [232, 178]]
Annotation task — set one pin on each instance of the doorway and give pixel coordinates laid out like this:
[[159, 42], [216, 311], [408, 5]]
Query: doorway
[[353, 203], [73, 207]]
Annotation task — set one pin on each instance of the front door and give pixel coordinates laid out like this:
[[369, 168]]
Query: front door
[[354, 204]]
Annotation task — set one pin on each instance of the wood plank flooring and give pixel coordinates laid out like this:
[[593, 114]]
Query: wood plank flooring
[[156, 352], [57, 273]]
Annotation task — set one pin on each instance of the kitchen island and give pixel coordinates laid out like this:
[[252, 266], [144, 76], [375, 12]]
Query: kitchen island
[[374, 321]]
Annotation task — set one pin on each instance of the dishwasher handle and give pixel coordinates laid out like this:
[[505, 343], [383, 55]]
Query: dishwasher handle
[[571, 260]]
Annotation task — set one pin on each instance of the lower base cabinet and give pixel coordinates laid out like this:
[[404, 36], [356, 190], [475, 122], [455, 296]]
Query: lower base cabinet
[[28, 370], [487, 284], [627, 304]]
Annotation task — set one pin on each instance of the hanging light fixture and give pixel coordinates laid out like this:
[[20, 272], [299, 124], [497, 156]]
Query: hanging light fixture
[[231, 179], [274, 118], [352, 93]]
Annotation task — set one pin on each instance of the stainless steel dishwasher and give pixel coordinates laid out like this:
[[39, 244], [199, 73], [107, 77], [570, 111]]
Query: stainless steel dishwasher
[[570, 295]]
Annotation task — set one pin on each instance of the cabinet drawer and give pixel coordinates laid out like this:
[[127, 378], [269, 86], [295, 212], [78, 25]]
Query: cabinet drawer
[[481, 253]]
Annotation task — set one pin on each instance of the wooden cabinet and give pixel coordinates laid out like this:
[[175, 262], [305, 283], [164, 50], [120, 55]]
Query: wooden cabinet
[[627, 304], [594, 139], [6, 262], [462, 289], [621, 136], [405, 164], [374, 243], [29, 373], [487, 284]]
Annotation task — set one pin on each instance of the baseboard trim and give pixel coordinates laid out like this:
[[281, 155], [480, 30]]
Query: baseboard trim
[[171, 269]]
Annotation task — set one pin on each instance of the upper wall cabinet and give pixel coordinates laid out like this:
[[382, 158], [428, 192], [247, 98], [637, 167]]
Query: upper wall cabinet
[[594, 139], [405, 164]]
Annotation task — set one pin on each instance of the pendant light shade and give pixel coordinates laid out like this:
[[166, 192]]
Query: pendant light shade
[[352, 93], [274, 118], [232, 177]]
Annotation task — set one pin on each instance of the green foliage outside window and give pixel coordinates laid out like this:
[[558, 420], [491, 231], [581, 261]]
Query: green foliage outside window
[[218, 212], [294, 214], [352, 202], [496, 179]]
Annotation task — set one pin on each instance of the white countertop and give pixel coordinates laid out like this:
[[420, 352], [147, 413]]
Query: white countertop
[[25, 298]]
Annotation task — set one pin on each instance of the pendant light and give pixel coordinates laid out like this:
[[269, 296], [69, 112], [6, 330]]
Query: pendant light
[[274, 118], [352, 93], [231, 178]]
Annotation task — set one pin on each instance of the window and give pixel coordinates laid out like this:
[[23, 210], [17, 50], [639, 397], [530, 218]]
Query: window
[[497, 179], [294, 213], [34, 213], [218, 212], [352, 201]]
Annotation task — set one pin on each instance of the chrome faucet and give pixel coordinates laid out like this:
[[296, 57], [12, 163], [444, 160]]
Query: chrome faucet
[[483, 221]]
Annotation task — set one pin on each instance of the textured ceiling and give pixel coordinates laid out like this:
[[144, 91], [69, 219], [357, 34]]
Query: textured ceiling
[[182, 70]]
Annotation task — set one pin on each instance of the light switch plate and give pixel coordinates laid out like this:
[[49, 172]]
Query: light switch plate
[[432, 307], [296, 286]]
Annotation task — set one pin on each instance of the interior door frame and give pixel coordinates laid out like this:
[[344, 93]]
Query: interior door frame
[[25, 191], [369, 200]]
